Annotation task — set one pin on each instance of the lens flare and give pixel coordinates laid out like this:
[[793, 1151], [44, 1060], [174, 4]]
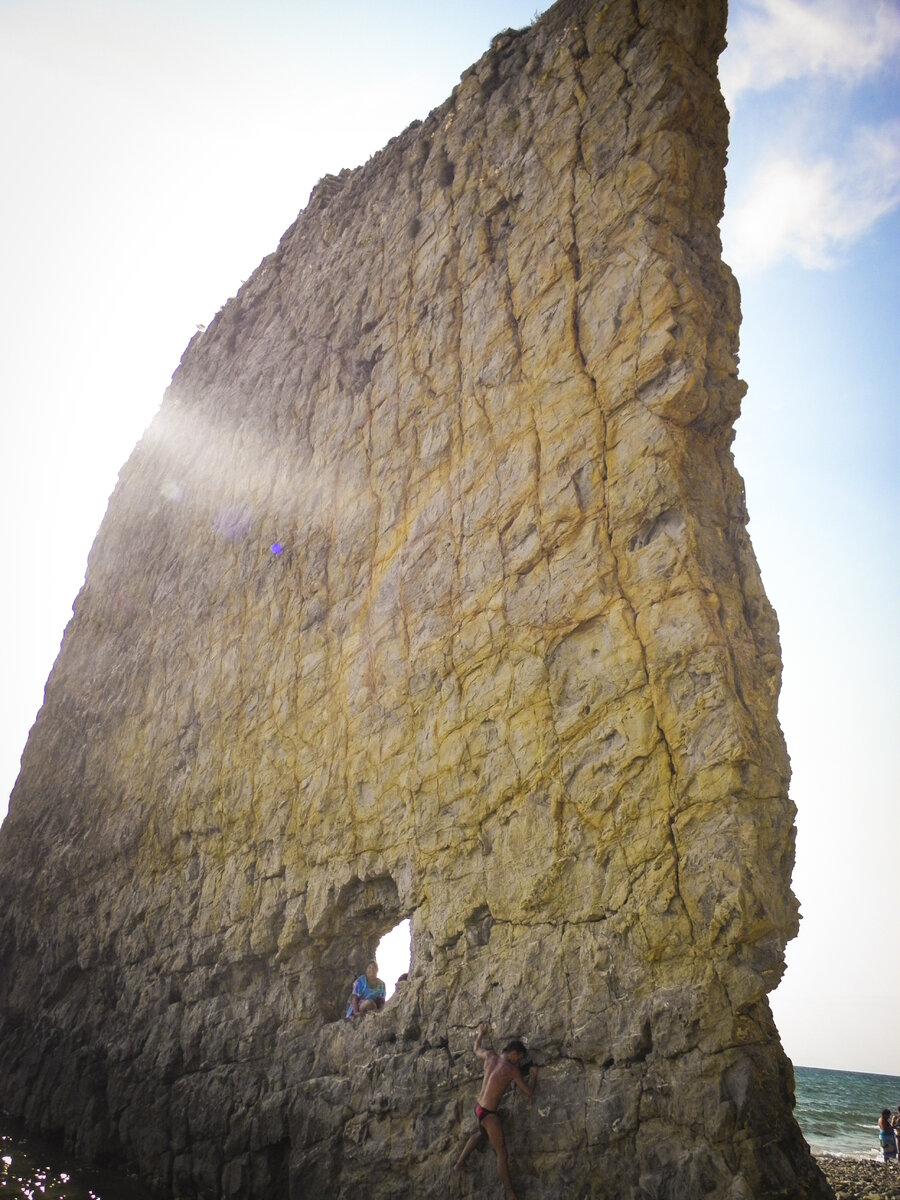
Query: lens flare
[[232, 523]]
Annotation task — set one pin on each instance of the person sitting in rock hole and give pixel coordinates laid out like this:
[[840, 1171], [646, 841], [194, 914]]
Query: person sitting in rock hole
[[368, 993], [500, 1070]]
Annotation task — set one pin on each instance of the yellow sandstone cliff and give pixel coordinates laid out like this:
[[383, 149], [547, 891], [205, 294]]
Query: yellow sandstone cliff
[[428, 594]]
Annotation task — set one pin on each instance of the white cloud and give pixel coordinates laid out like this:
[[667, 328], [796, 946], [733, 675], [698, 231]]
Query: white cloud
[[812, 211], [771, 41]]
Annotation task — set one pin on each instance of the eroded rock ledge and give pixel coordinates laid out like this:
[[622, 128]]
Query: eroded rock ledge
[[509, 671]]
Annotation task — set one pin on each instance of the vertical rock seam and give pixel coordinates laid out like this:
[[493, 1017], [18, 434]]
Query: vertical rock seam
[[428, 594]]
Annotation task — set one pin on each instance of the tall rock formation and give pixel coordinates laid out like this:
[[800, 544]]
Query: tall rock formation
[[428, 594]]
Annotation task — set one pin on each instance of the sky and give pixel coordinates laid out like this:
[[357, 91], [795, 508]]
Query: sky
[[154, 151]]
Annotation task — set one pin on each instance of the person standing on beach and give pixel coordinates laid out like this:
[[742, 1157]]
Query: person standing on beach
[[500, 1070], [887, 1136]]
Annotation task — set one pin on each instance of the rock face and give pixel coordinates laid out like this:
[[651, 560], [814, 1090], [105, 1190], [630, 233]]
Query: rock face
[[428, 594]]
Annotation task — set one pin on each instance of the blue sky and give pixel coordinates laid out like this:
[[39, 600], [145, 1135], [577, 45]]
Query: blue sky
[[811, 232], [155, 152]]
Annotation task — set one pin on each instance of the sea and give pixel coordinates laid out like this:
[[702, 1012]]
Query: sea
[[837, 1111]]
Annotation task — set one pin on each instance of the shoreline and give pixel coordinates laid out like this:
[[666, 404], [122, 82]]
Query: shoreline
[[860, 1178]]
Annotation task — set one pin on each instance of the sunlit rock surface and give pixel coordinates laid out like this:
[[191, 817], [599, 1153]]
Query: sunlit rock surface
[[428, 593]]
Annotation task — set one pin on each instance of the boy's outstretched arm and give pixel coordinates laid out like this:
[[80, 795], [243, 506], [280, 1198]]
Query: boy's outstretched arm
[[527, 1085], [478, 1048]]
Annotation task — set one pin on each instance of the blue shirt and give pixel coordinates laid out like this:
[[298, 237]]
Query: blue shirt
[[367, 991]]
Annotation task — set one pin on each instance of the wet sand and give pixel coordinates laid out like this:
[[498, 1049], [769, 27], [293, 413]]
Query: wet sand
[[861, 1179]]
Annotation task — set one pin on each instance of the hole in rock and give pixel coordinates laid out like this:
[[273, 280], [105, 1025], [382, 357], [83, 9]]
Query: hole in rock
[[365, 920], [394, 955]]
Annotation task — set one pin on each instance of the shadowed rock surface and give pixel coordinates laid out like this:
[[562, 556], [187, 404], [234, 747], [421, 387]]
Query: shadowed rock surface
[[512, 674]]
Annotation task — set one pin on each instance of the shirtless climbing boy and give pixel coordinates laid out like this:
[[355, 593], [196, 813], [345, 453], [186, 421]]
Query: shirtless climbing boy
[[500, 1070]]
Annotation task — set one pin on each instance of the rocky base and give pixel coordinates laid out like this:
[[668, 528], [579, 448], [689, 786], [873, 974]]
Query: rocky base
[[860, 1179]]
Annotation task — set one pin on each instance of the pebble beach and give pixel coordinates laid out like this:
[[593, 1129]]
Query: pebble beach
[[860, 1179]]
